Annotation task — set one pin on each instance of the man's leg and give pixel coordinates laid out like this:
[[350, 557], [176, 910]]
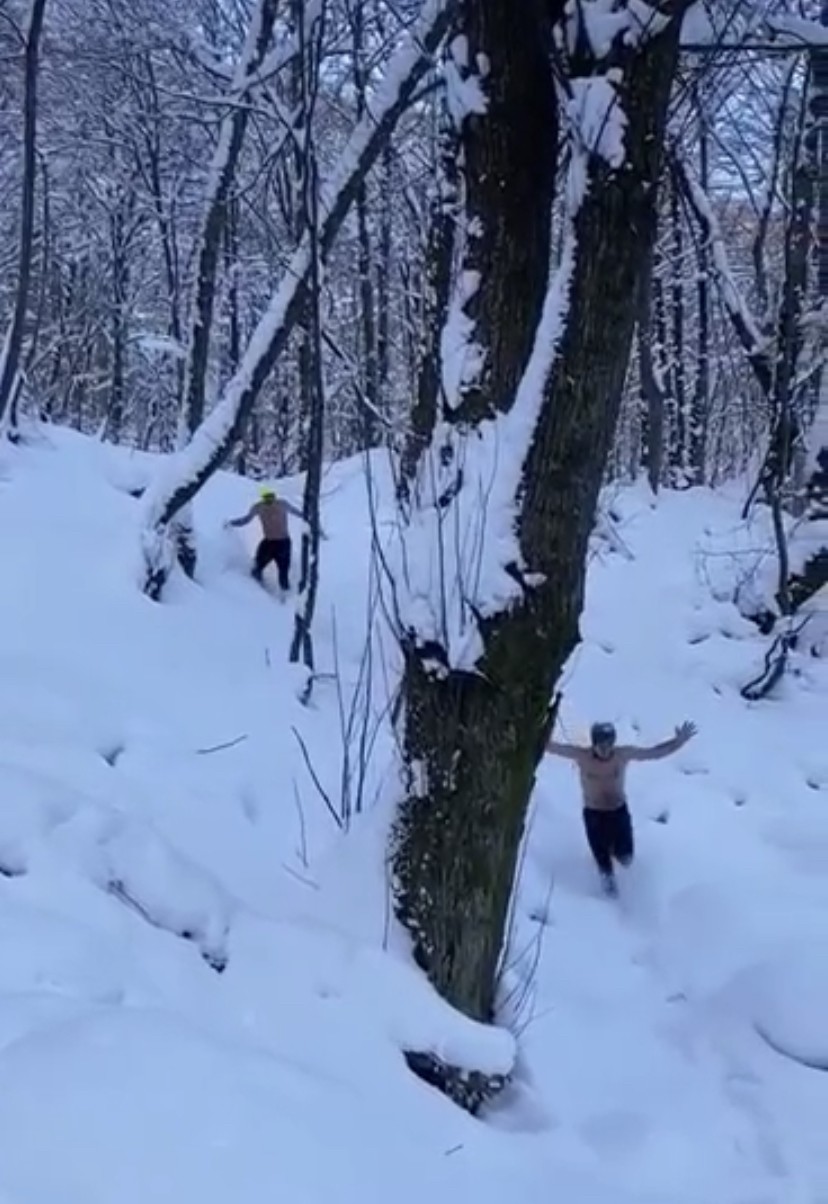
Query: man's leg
[[599, 836], [623, 843], [264, 555], [281, 554]]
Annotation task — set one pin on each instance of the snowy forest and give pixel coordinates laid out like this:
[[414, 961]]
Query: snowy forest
[[522, 254]]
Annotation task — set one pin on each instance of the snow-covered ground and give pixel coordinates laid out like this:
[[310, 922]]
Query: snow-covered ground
[[202, 994]]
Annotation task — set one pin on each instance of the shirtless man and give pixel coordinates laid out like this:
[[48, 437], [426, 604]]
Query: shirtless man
[[272, 512], [603, 768]]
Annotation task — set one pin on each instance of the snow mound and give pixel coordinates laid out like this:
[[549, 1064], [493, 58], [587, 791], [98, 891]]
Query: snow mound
[[790, 1004]]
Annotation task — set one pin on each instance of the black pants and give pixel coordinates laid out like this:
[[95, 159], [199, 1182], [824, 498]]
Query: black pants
[[278, 551], [610, 836]]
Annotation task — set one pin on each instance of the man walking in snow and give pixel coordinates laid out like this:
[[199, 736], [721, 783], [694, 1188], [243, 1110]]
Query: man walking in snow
[[272, 512], [602, 768]]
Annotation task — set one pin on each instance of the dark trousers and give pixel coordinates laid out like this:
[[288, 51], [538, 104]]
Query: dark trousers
[[278, 552], [610, 836]]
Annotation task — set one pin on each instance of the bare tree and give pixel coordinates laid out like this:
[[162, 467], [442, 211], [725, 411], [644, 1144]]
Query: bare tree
[[13, 344]]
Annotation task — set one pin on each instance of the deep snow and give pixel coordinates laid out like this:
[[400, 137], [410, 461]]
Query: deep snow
[[202, 994]]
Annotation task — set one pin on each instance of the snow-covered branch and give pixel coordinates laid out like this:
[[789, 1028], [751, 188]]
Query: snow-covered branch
[[744, 323], [798, 31]]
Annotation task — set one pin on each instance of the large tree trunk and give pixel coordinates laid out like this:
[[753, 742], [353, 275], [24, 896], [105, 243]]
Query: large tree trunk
[[474, 732]]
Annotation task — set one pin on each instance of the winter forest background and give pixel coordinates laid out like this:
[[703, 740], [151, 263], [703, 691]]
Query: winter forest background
[[529, 250]]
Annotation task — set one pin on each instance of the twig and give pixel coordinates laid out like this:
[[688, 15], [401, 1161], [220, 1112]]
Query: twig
[[303, 852], [203, 752], [316, 782], [305, 881]]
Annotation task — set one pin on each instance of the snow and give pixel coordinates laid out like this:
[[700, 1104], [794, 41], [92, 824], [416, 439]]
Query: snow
[[597, 117], [790, 1003], [462, 359], [604, 22], [798, 31], [464, 93], [203, 993]]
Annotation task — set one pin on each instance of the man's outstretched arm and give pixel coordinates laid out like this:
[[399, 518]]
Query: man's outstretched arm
[[571, 751], [243, 521], [300, 516], [655, 752]]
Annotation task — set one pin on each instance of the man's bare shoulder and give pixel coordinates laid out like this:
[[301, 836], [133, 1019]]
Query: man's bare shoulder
[[625, 752], [571, 752]]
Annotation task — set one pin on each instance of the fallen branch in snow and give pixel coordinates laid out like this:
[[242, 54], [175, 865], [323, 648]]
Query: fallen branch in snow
[[776, 660], [303, 837], [299, 878], [203, 752], [607, 530], [215, 959], [471, 1085], [814, 1063]]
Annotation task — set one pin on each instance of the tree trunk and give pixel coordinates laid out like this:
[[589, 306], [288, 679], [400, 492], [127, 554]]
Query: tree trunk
[[444, 214], [13, 344], [654, 394], [219, 186], [302, 643], [701, 389], [473, 735], [367, 424], [680, 433]]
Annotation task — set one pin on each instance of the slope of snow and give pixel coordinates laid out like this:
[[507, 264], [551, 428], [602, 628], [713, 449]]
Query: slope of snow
[[202, 992]]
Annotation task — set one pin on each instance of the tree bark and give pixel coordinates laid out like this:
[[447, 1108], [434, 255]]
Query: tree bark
[[13, 344], [680, 425], [701, 390], [302, 642]]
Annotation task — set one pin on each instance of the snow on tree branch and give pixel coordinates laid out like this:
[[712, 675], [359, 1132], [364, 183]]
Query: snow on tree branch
[[750, 335], [602, 24], [798, 31]]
